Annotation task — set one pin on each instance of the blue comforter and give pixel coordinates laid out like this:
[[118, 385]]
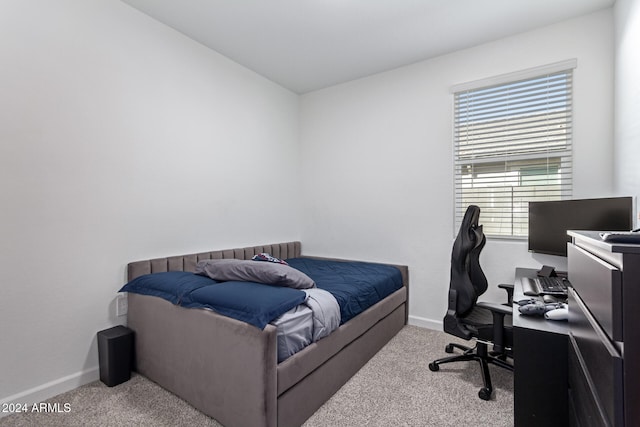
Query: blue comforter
[[355, 285], [254, 303]]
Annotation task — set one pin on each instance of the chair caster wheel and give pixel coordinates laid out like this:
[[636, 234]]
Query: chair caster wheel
[[448, 348], [434, 367], [484, 393]]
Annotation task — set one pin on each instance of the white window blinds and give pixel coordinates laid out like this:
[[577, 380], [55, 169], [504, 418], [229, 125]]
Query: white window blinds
[[512, 145]]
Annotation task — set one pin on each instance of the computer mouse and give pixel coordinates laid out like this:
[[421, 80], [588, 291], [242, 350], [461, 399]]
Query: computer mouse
[[557, 314]]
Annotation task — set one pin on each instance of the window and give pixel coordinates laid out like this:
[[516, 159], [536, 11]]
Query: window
[[512, 145]]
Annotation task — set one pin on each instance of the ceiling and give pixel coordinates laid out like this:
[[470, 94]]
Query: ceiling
[[306, 45]]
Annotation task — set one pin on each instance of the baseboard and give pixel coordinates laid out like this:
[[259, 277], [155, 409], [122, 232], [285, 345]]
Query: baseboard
[[425, 323], [51, 389]]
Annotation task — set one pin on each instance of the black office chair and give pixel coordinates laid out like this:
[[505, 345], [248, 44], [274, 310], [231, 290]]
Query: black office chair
[[489, 324]]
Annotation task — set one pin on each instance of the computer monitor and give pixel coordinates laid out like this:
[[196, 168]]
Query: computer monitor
[[549, 221]]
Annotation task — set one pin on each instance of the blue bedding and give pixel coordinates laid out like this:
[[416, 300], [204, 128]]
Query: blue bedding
[[254, 303], [171, 285], [355, 285]]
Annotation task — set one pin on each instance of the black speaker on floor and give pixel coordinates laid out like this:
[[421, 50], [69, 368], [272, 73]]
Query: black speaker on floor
[[115, 349]]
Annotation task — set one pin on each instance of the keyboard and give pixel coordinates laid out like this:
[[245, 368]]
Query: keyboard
[[545, 286], [621, 237]]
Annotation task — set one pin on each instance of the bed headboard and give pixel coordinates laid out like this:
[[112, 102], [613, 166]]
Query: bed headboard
[[188, 262]]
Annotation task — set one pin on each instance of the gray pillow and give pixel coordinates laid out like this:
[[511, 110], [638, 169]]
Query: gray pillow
[[254, 271]]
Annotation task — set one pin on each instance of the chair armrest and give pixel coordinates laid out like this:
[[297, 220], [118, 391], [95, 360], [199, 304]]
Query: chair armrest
[[495, 308], [509, 288], [498, 311]]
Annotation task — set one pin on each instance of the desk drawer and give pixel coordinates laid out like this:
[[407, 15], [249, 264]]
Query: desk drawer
[[599, 285], [595, 372], [584, 408]]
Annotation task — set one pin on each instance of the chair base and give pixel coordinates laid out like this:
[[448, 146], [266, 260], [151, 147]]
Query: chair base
[[481, 354]]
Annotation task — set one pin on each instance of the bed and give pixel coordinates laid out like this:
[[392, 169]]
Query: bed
[[228, 369]]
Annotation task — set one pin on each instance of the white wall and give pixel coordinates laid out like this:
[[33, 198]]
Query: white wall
[[627, 97], [377, 168], [120, 139]]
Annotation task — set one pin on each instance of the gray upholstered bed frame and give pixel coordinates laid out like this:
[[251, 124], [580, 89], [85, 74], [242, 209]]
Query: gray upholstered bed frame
[[228, 369]]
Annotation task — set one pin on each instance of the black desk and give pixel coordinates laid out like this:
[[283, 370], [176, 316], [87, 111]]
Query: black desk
[[540, 356]]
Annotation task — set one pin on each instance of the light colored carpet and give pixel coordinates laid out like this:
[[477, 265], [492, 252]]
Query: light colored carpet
[[396, 388]]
